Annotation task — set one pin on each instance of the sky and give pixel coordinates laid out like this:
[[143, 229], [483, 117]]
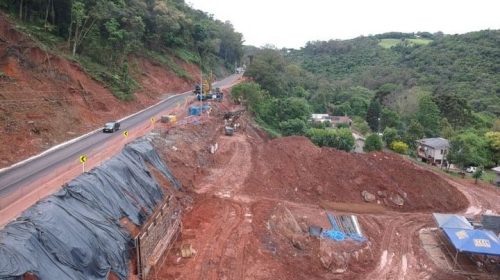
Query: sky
[[292, 23]]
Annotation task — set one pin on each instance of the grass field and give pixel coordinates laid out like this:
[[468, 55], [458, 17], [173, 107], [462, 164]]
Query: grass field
[[489, 176], [388, 43]]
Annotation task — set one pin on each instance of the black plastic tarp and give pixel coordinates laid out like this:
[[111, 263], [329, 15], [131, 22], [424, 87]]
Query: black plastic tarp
[[75, 233]]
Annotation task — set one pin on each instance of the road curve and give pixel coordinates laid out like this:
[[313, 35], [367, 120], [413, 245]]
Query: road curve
[[28, 172]]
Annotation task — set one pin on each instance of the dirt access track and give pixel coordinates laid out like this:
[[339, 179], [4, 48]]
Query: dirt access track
[[254, 198]]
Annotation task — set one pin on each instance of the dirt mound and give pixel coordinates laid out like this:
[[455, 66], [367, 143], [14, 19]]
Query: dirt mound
[[46, 99], [294, 169]]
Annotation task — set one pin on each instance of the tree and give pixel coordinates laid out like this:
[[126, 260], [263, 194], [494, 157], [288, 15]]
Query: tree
[[373, 143], [360, 125], [389, 118], [373, 115], [268, 69], [284, 109], [428, 116], [446, 129], [468, 148], [249, 93], [343, 109], [493, 140], [390, 134], [454, 108], [477, 175], [293, 127], [496, 125], [82, 22], [415, 131]]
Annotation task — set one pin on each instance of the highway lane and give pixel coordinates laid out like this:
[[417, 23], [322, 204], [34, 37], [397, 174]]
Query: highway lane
[[25, 174]]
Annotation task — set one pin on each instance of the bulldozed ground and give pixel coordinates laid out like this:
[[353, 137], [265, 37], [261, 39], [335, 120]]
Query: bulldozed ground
[[254, 199]]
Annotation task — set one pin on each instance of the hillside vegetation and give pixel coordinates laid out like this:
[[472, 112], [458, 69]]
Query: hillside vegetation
[[102, 34], [406, 86]]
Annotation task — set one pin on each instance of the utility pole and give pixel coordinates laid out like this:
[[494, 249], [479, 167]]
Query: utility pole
[[201, 85], [378, 130]]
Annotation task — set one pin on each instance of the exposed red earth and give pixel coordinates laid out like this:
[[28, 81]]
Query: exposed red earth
[[254, 199], [247, 207], [46, 99]]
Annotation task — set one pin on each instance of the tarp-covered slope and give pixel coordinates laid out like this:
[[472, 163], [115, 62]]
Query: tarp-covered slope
[[75, 233]]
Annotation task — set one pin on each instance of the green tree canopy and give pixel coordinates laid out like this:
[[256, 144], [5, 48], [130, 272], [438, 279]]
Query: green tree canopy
[[493, 140], [390, 135], [268, 69], [415, 131], [428, 116], [468, 148], [373, 143], [293, 127], [373, 115]]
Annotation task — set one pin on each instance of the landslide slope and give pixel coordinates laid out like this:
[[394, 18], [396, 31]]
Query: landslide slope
[[46, 99], [294, 169]]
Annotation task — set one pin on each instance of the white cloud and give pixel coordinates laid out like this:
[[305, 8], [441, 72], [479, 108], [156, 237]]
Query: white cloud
[[288, 23]]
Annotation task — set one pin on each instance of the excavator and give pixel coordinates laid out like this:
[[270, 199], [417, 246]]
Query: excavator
[[206, 92], [230, 124]]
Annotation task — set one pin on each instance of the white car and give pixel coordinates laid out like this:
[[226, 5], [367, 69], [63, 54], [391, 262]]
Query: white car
[[471, 169]]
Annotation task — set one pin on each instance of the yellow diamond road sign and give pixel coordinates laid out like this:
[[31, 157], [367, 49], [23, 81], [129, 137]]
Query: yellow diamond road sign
[[83, 158], [125, 133], [152, 120]]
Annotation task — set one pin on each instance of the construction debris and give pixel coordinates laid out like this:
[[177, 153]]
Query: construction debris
[[343, 227], [368, 197], [230, 124], [187, 251], [171, 119]]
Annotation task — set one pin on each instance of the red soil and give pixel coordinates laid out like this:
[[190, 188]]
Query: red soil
[[46, 99], [293, 168], [239, 229]]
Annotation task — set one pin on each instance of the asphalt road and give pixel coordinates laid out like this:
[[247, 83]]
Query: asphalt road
[[24, 174]]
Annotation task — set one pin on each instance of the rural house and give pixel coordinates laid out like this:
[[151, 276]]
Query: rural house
[[497, 179], [433, 150], [336, 120], [320, 118], [333, 120]]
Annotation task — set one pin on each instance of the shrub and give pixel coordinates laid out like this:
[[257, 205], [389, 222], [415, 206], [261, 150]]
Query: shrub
[[293, 127], [373, 143], [340, 138], [359, 124], [399, 147], [390, 135]]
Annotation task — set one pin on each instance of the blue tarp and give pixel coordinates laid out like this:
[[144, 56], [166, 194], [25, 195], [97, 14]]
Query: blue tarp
[[197, 110], [338, 233], [452, 221], [474, 241]]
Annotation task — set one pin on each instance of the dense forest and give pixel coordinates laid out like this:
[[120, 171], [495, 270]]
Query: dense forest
[[101, 34], [400, 86]]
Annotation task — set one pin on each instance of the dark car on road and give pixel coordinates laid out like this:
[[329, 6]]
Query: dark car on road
[[111, 127]]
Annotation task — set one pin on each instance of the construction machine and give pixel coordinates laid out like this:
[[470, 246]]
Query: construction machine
[[206, 89], [206, 92], [230, 124]]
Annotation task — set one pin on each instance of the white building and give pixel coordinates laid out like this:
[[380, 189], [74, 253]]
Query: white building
[[433, 150], [497, 179], [320, 118]]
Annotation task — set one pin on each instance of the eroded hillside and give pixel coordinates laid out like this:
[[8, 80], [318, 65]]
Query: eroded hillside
[[46, 99]]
